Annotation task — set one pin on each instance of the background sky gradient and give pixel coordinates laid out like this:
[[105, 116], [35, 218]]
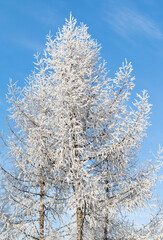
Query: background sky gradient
[[125, 29]]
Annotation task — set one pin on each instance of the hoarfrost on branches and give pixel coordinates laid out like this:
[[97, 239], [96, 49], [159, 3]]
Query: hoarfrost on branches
[[74, 145]]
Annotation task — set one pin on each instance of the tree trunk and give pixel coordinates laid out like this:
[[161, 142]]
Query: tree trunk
[[79, 224], [79, 213], [42, 207], [106, 215], [106, 227]]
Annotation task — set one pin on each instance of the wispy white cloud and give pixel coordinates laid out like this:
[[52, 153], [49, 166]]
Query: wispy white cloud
[[27, 43], [128, 22], [45, 15]]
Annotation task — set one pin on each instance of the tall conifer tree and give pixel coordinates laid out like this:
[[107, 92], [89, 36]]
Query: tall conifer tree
[[74, 146]]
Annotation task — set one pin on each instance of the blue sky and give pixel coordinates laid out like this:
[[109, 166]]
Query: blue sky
[[125, 29]]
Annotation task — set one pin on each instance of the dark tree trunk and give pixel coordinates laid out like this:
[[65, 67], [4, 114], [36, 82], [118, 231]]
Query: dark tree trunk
[[42, 207]]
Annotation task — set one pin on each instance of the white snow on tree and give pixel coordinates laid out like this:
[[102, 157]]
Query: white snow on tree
[[75, 138]]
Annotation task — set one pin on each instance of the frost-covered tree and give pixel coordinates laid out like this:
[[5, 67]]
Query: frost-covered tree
[[122, 229], [75, 137]]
